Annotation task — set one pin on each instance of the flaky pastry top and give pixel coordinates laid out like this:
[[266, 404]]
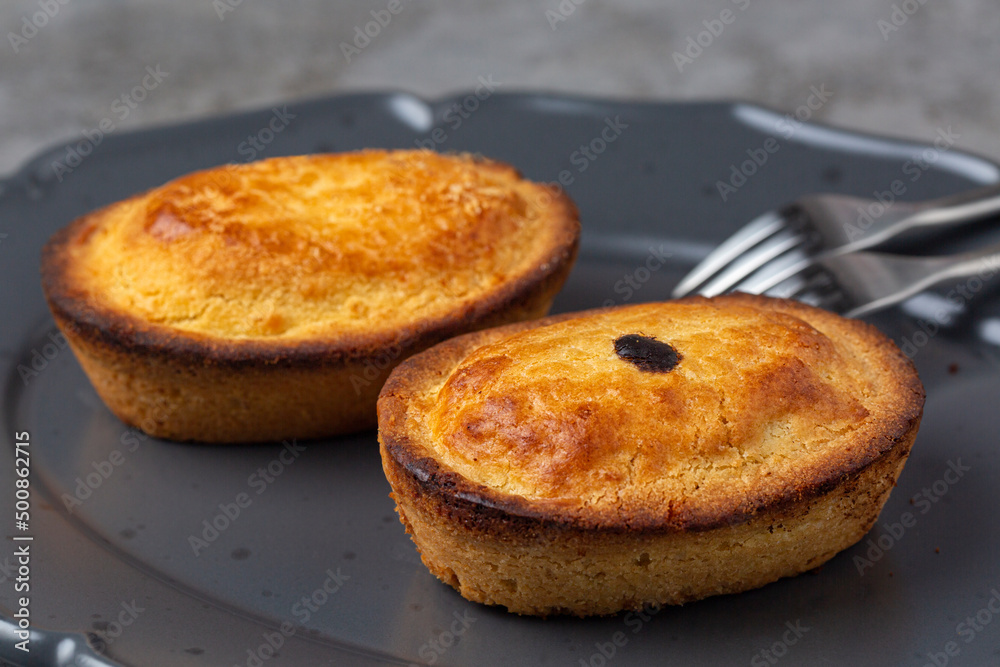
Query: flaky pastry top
[[316, 246], [689, 412]]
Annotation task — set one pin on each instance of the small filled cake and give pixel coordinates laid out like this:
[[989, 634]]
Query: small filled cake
[[271, 300], [652, 454]]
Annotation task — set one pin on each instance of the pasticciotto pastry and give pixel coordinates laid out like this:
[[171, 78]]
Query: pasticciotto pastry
[[659, 453], [271, 300]]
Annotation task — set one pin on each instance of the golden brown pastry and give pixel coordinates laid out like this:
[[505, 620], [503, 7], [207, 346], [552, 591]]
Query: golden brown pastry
[[660, 453], [270, 300]]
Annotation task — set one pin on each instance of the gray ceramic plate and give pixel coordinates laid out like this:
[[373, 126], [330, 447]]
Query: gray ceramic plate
[[316, 570]]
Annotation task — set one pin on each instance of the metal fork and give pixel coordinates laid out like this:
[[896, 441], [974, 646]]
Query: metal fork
[[782, 243], [862, 282]]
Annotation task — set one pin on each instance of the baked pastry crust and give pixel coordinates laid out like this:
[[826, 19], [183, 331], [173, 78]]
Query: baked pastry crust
[[538, 468], [271, 300]]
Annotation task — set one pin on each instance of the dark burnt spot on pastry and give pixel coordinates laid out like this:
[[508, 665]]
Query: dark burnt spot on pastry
[[646, 353]]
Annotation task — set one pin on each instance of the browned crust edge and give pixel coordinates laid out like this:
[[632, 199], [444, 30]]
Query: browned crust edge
[[487, 511], [121, 332], [563, 567]]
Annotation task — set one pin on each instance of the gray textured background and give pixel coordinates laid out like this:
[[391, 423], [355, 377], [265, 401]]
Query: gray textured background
[[939, 68]]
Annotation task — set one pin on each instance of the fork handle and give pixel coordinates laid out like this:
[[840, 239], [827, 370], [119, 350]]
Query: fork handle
[[964, 207], [923, 272], [953, 210], [983, 264], [907, 276]]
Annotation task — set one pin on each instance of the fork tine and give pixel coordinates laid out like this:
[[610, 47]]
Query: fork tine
[[813, 298], [785, 289], [775, 272], [803, 290], [751, 261], [745, 238], [815, 286]]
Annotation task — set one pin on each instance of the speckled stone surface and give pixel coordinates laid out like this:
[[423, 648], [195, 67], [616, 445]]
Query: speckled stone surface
[[892, 67]]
